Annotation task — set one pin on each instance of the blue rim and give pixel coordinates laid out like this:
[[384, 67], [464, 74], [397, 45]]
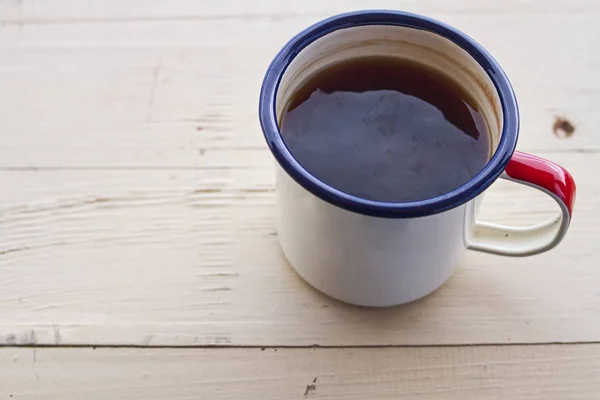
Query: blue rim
[[466, 192]]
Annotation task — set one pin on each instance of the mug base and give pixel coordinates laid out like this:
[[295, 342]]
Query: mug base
[[371, 302]]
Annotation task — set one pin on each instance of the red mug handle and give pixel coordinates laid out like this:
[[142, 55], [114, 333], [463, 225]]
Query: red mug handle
[[547, 177]]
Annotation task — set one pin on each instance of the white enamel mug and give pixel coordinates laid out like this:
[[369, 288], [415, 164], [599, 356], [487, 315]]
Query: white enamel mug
[[374, 253]]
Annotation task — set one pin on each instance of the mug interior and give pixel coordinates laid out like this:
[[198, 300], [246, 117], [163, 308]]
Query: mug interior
[[419, 46], [405, 35]]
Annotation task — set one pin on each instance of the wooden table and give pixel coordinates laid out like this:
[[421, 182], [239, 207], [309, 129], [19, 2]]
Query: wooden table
[[138, 256]]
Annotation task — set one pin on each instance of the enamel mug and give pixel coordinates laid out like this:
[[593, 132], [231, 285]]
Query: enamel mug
[[374, 253]]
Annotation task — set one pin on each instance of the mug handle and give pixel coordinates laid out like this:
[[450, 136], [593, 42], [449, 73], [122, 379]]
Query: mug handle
[[543, 175]]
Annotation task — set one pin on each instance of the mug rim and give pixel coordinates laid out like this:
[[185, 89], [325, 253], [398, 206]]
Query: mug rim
[[469, 190]]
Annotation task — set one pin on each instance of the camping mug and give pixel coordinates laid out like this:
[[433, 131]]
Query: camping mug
[[373, 253]]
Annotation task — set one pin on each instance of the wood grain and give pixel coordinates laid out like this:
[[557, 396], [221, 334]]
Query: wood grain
[[137, 200], [137, 209], [73, 11], [159, 93], [471, 373], [190, 257]]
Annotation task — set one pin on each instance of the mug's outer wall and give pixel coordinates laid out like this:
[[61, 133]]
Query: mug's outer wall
[[365, 260]]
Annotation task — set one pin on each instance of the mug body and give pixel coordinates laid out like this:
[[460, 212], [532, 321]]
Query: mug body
[[366, 252], [366, 260]]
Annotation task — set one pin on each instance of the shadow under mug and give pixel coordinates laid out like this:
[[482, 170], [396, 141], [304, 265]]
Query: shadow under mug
[[374, 253]]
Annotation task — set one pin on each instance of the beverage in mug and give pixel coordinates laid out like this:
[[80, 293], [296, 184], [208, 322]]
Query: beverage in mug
[[386, 129]]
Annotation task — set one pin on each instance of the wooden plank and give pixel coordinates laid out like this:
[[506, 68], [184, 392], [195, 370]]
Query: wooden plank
[[189, 257], [73, 11], [139, 181], [471, 373], [184, 93]]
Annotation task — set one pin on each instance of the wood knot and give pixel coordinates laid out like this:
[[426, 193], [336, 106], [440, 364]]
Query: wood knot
[[563, 127]]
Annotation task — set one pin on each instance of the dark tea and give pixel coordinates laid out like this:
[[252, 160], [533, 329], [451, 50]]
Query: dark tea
[[386, 129]]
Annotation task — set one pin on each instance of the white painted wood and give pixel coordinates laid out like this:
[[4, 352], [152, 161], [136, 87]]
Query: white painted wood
[[115, 90], [136, 208], [136, 204], [471, 373], [189, 257], [71, 11]]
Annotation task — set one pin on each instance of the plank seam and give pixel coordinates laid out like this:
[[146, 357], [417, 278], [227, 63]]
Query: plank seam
[[314, 346]]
